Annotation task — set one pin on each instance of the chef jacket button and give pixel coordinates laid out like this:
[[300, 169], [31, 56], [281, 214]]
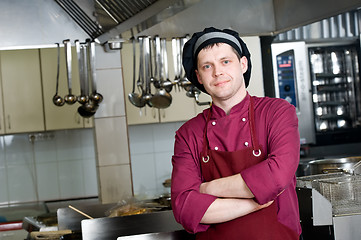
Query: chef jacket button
[[246, 144], [213, 123], [215, 148], [243, 119]]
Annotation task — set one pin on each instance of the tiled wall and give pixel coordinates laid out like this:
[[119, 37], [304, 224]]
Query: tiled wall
[[60, 165], [151, 149]]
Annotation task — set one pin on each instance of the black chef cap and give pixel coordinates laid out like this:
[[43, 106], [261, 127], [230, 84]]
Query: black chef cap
[[208, 36]]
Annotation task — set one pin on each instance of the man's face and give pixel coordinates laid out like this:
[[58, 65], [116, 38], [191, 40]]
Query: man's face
[[221, 72]]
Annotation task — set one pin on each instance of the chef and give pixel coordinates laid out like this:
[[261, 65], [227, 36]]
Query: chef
[[234, 164]]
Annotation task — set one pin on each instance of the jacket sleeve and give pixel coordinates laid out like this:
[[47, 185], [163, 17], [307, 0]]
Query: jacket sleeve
[[188, 204], [270, 177]]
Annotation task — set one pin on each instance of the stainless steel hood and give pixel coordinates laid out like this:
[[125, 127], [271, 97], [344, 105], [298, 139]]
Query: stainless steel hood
[[168, 18]]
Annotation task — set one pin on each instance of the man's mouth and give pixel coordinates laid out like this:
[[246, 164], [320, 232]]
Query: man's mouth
[[221, 83]]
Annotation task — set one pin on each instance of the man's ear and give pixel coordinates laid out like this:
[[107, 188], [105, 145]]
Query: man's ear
[[198, 77], [244, 64]]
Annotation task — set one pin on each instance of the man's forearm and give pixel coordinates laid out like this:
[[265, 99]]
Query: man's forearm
[[228, 187], [226, 209]]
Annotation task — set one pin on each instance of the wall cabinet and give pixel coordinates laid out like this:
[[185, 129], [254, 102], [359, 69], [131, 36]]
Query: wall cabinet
[[27, 87], [66, 116], [22, 91]]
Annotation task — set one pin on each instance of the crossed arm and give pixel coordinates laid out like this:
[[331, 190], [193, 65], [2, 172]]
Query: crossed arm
[[234, 199]]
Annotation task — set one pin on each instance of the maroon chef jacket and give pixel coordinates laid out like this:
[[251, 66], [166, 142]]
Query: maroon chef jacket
[[259, 225], [277, 132]]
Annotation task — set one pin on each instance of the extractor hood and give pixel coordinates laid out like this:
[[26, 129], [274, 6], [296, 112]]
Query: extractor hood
[[108, 20]]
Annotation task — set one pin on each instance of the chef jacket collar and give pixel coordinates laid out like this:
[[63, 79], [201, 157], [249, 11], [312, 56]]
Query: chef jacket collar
[[240, 107]]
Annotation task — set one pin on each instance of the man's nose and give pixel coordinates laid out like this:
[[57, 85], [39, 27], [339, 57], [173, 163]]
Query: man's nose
[[217, 70]]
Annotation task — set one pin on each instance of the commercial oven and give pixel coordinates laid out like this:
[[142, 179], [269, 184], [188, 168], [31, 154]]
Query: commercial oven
[[322, 80]]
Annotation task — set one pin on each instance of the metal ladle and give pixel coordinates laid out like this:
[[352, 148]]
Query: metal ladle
[[156, 79], [95, 97], [70, 98], [88, 109], [166, 84], [135, 98], [161, 99], [147, 97], [183, 82], [83, 97], [58, 100]]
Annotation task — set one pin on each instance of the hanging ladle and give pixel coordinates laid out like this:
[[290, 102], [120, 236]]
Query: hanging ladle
[[58, 100], [166, 84], [83, 97], [135, 98], [70, 98], [162, 98], [147, 97], [184, 82], [88, 109], [95, 96]]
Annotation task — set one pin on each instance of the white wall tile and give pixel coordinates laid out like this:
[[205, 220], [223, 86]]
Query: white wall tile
[[89, 175], [4, 198], [115, 183], [141, 139], [2, 153], [71, 180], [68, 145], [112, 141], [144, 175], [48, 181], [45, 151], [22, 183], [111, 88], [73, 150], [87, 143], [13, 143], [151, 148], [163, 136], [163, 166]]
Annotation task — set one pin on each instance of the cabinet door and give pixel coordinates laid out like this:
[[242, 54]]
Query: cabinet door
[[23, 105], [88, 122], [135, 115], [66, 116], [2, 123]]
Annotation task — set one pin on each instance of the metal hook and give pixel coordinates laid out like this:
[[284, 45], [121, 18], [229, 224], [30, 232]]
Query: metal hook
[[205, 159], [257, 154]]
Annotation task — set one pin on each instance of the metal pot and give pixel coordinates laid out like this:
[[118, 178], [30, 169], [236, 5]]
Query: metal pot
[[333, 165]]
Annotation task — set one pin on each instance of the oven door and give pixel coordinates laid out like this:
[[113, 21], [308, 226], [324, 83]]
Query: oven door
[[292, 83]]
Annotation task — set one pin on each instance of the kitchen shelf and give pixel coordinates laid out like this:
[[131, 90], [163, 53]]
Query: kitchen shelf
[[330, 75]]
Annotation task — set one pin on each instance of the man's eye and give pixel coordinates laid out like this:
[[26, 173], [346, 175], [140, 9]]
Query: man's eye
[[207, 66], [226, 61]]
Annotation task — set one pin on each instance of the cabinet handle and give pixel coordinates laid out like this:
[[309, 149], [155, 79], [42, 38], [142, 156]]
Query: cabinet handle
[[154, 113], [9, 122]]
